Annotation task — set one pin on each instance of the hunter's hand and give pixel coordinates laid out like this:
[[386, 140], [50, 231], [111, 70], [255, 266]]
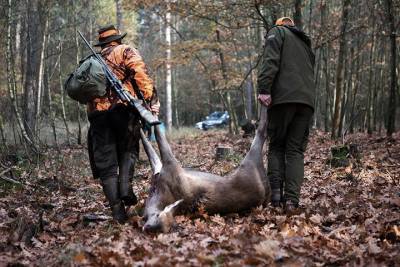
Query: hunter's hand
[[265, 99], [155, 108]]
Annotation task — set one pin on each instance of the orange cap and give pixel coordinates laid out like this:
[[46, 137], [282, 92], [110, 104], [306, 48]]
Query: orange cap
[[284, 21]]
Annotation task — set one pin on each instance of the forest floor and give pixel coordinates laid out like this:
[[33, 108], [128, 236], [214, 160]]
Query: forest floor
[[58, 216]]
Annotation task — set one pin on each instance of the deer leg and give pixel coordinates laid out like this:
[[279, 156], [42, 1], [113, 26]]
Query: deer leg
[[155, 161]]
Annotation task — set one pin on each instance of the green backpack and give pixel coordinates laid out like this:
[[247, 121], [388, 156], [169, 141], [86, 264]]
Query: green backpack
[[87, 82]]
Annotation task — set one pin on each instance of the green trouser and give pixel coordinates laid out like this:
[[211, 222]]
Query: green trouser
[[288, 129]]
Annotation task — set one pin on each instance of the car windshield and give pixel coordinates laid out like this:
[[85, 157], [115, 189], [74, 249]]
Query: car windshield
[[215, 115]]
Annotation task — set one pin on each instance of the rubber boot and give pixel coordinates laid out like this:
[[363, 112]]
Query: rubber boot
[[126, 192], [291, 208], [276, 197], [110, 188]]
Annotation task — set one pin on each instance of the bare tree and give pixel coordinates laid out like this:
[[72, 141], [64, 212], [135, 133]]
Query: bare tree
[[168, 81], [11, 84], [339, 71], [119, 15], [297, 16], [393, 79]]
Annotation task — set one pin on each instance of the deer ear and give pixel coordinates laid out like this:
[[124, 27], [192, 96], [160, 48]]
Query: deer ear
[[172, 207]]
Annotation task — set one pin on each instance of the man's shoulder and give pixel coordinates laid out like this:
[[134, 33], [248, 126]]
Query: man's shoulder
[[277, 28], [124, 51], [121, 47], [276, 31]]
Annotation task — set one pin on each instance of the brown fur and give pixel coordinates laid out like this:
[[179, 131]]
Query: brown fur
[[244, 188]]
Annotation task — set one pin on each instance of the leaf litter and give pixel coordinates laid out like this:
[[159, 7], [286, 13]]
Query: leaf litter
[[349, 215]]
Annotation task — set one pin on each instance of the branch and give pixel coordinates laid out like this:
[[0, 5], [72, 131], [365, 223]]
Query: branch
[[257, 6], [251, 69], [6, 178], [319, 45]]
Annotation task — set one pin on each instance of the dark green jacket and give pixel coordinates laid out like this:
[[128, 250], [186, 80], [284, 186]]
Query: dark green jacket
[[287, 70]]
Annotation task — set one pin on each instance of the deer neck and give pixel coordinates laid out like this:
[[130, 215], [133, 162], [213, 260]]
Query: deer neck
[[256, 148], [167, 158]]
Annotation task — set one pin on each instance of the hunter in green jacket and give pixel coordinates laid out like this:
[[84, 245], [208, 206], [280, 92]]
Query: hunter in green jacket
[[286, 85]]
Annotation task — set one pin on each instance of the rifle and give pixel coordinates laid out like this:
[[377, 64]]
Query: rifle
[[123, 94]]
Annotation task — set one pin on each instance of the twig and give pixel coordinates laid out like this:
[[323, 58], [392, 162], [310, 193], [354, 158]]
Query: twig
[[340, 229], [7, 178], [6, 170], [388, 151], [257, 7]]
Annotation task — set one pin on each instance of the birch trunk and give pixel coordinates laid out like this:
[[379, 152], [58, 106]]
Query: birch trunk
[[50, 103], [118, 8], [11, 84], [371, 70], [62, 94], [40, 80], [168, 82]]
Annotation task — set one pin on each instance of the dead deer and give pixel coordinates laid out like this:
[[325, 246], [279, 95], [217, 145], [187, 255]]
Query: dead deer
[[173, 186]]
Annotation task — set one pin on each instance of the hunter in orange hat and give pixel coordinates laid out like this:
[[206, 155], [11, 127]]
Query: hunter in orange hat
[[113, 138]]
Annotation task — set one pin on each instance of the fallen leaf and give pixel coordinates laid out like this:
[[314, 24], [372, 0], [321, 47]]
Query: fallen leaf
[[316, 218], [271, 249]]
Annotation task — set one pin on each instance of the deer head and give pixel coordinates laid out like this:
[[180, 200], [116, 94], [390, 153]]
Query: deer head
[[161, 220]]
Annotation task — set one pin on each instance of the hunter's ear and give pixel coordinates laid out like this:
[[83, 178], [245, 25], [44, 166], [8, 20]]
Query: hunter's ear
[[172, 207]]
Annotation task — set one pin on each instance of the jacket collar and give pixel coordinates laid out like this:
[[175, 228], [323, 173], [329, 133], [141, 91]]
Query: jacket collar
[[299, 33]]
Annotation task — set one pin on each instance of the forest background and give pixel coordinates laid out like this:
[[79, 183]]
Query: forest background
[[203, 56]]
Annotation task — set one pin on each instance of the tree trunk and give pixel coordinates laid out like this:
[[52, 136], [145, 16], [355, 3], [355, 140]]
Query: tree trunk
[[393, 80], [168, 81], [371, 70], [62, 93], [32, 65], [78, 107], [11, 84], [317, 79], [3, 136], [339, 72], [118, 8], [231, 110], [327, 89], [298, 21], [50, 105], [378, 84], [310, 14], [40, 81], [344, 98]]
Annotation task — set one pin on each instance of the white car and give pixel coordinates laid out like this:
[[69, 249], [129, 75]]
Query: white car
[[215, 119]]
